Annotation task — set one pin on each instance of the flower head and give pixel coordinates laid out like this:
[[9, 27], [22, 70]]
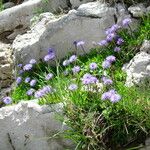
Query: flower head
[[32, 61], [73, 87], [33, 82], [50, 55], [126, 21], [47, 89], [79, 43], [7, 100], [115, 98], [48, 76], [27, 80], [106, 64], [120, 41], [73, 58], [103, 43], [27, 67], [76, 69], [89, 79], [107, 81], [110, 37], [18, 80], [30, 92], [66, 62], [93, 66], [111, 58], [117, 49], [20, 65]]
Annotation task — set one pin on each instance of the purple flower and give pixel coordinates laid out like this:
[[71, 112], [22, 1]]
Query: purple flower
[[27, 80], [66, 72], [106, 96], [79, 43], [72, 87], [120, 41], [111, 58], [110, 37], [20, 72], [30, 92], [75, 69], [27, 67], [18, 80], [106, 64], [20, 65], [50, 55], [89, 79], [111, 95], [39, 94], [117, 49], [66, 62], [115, 27], [47, 89], [32, 82], [49, 76], [32, 61], [93, 66], [107, 81], [126, 22], [115, 98], [7, 100], [73, 58], [103, 43]]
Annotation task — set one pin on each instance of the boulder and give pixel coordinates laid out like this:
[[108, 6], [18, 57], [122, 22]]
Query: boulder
[[60, 32], [18, 17], [138, 10], [6, 65], [8, 5], [77, 3], [138, 68], [29, 126]]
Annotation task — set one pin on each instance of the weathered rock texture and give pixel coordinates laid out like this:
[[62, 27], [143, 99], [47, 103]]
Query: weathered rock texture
[[28, 126], [138, 68], [6, 65], [77, 3], [18, 18], [88, 23]]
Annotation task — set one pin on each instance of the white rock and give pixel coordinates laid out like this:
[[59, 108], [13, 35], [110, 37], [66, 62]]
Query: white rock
[[61, 32], [77, 3], [138, 69], [19, 16], [138, 10], [6, 65], [145, 46], [28, 126]]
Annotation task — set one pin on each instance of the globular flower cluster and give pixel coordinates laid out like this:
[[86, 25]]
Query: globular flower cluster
[[7, 100], [89, 79], [107, 81], [76, 69], [108, 61], [93, 66], [49, 76], [111, 95], [73, 87], [42, 92], [72, 59], [50, 56]]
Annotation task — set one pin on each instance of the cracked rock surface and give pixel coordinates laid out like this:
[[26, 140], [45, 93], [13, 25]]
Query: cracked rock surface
[[29, 126]]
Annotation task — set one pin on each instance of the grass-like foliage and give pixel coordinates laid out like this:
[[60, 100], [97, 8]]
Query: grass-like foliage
[[102, 112]]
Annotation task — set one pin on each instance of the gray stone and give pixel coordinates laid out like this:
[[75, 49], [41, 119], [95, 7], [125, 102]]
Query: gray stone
[[28, 126], [77, 3], [18, 17], [145, 47], [6, 65], [61, 32], [138, 69], [137, 10], [8, 5]]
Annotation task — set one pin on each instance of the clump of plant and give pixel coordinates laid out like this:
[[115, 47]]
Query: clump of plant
[[101, 111]]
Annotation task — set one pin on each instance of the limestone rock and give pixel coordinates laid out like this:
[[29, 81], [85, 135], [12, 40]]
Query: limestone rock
[[6, 65], [18, 17], [145, 47], [137, 10], [138, 69], [28, 126], [8, 5], [77, 3], [61, 32]]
